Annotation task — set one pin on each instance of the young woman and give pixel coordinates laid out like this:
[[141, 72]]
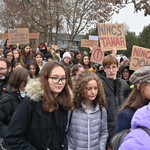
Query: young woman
[[14, 94], [88, 121], [76, 57], [85, 61], [40, 120], [137, 99], [7, 46], [8, 54], [26, 55], [39, 60], [33, 68]]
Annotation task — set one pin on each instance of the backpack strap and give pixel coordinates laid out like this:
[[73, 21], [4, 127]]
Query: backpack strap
[[145, 129]]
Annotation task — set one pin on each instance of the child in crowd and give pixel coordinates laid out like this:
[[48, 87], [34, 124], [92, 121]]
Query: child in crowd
[[88, 121]]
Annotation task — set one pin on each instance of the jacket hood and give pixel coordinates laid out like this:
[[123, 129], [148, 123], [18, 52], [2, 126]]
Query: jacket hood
[[141, 117], [125, 66], [34, 89], [8, 89]]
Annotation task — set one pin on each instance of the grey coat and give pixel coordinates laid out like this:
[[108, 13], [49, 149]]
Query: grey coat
[[87, 131]]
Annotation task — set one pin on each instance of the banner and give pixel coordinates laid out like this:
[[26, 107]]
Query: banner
[[20, 36], [97, 55], [140, 57], [88, 43], [3, 36], [92, 37], [111, 35]]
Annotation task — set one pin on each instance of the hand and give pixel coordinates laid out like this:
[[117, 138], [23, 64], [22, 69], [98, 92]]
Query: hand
[[114, 51]]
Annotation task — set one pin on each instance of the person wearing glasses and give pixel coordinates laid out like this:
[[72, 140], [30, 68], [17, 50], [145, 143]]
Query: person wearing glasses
[[5, 68], [116, 91], [39, 123]]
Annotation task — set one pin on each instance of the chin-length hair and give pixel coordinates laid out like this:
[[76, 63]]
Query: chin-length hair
[[81, 87], [63, 100]]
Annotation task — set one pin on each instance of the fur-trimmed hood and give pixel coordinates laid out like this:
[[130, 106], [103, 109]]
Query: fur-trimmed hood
[[34, 89]]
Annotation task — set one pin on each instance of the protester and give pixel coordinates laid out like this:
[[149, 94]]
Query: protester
[[7, 46], [1, 51], [14, 94], [39, 60], [125, 73], [68, 74], [5, 68], [17, 65], [116, 91], [138, 139], [40, 120], [58, 58], [33, 68], [26, 55], [88, 121], [43, 49], [17, 56], [66, 60], [137, 99], [85, 61], [76, 58], [8, 54]]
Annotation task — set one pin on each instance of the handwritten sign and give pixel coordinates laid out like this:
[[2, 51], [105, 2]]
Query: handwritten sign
[[3, 36], [140, 57], [111, 35], [33, 35], [88, 43], [54, 46], [92, 37], [97, 55], [20, 36]]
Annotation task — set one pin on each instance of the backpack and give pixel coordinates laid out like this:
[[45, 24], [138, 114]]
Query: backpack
[[118, 138]]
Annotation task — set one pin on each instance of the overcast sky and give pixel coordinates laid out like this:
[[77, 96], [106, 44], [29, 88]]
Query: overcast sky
[[135, 21]]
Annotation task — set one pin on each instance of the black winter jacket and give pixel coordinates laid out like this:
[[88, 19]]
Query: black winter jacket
[[31, 128], [8, 104], [116, 91]]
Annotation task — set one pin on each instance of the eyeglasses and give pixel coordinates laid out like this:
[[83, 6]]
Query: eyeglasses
[[109, 68], [1, 69], [57, 79], [9, 55], [31, 68]]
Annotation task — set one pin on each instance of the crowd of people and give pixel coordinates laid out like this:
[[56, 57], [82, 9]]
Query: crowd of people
[[59, 100]]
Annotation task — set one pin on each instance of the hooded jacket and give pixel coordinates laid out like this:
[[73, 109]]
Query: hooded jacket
[[116, 92], [8, 103], [88, 131], [138, 139], [32, 128]]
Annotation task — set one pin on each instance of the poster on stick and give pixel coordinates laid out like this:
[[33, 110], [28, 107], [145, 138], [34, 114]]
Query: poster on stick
[[88, 43], [140, 57], [54, 46], [3, 36], [92, 37], [97, 55], [20, 36], [111, 35], [33, 35]]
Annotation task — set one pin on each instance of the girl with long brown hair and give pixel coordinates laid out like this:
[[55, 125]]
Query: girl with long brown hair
[[88, 121], [40, 120]]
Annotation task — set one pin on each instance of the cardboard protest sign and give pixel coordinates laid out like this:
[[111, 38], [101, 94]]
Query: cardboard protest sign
[[111, 35], [140, 57], [88, 43], [97, 55], [33, 35], [54, 46], [92, 37], [20, 36], [3, 36]]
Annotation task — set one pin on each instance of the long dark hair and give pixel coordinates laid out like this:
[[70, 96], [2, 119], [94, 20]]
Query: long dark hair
[[81, 61], [63, 100], [33, 62]]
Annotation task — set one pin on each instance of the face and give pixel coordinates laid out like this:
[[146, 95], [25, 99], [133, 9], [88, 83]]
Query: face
[[125, 74], [78, 56], [16, 54], [49, 59], [66, 60], [91, 90], [38, 58], [27, 49], [111, 71], [79, 71], [3, 69], [56, 73], [146, 91], [10, 56], [86, 60], [7, 43], [32, 69], [1, 51]]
